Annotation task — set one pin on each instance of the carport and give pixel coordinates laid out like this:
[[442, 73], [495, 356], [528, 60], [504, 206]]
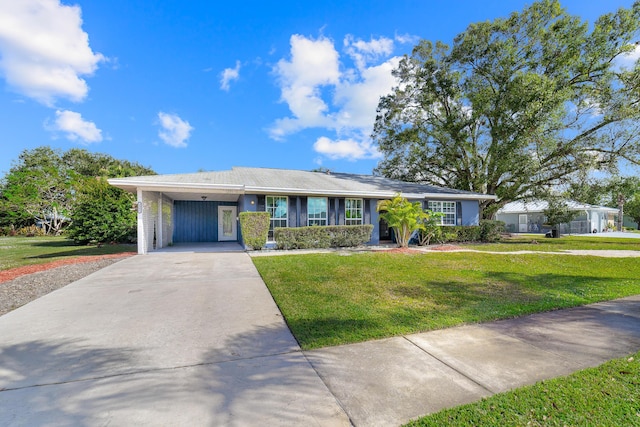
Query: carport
[[169, 215]]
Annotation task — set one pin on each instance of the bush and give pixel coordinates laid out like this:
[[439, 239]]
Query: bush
[[30, 231], [254, 227], [491, 231], [332, 236], [460, 234], [102, 215]]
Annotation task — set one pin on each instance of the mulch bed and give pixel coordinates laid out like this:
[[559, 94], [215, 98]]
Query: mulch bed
[[6, 275]]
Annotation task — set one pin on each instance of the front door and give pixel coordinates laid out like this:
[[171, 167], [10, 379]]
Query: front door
[[522, 224], [227, 223]]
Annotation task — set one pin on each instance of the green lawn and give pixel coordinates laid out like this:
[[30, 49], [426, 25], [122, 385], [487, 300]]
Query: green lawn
[[331, 299], [544, 244], [608, 395], [19, 251]]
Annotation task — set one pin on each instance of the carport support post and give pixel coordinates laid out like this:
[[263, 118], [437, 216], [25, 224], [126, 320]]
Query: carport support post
[[159, 227], [141, 237]]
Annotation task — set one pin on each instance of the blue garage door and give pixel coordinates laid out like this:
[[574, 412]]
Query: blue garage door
[[195, 221]]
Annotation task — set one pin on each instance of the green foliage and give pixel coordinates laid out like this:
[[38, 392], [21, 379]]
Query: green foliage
[[558, 212], [403, 217], [254, 227], [491, 231], [43, 184], [102, 214], [487, 232], [332, 236], [460, 234], [632, 208], [604, 192], [515, 105], [430, 229]]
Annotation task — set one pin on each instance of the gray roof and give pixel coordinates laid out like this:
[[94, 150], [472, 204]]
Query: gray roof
[[522, 206], [284, 181]]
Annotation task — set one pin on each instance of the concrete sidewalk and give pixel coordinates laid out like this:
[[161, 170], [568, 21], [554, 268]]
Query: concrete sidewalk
[[391, 381], [174, 339]]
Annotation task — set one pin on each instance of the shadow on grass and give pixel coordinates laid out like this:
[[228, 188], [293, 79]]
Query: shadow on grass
[[86, 251]]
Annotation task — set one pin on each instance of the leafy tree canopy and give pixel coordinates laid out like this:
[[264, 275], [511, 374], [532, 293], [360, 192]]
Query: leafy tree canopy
[[44, 184], [515, 105]]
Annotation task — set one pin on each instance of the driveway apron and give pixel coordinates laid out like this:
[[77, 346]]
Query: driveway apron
[[162, 339]]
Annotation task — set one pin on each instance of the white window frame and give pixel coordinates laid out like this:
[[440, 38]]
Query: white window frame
[[447, 208], [275, 222], [358, 209], [321, 220]]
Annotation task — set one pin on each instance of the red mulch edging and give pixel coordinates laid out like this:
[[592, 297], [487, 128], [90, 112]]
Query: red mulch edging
[[13, 273], [446, 248]]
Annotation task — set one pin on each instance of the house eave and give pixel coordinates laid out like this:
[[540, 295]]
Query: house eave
[[134, 185]]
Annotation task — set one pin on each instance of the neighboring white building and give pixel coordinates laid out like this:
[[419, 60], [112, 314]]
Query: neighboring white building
[[528, 217]]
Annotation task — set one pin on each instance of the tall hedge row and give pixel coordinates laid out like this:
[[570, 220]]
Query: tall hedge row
[[332, 236]]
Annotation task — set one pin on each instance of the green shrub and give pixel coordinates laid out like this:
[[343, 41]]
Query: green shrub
[[491, 231], [30, 231], [460, 234], [254, 227], [102, 214], [322, 237]]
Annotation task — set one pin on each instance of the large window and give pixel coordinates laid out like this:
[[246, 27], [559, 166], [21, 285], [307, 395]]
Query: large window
[[353, 212], [277, 206], [447, 208], [317, 211]]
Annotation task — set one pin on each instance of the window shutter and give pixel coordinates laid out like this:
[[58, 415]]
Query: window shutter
[[458, 213]]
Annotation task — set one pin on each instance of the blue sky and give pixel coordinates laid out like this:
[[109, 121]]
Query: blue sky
[[182, 86]]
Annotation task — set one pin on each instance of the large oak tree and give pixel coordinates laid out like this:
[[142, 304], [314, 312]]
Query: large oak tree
[[516, 105]]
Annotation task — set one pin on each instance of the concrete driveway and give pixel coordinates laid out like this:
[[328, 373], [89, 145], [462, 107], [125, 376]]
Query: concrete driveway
[[163, 339]]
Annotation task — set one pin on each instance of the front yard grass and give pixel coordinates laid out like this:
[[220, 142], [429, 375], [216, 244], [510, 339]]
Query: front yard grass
[[20, 251], [539, 243], [608, 395], [331, 299]]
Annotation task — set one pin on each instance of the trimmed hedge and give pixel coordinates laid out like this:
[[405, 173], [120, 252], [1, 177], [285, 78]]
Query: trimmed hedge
[[491, 231], [488, 231], [254, 227], [332, 236]]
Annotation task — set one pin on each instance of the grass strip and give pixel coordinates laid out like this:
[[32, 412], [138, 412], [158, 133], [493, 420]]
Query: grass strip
[[22, 251], [539, 243]]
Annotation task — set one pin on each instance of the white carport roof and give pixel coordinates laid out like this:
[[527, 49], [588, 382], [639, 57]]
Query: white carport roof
[[229, 184], [522, 206]]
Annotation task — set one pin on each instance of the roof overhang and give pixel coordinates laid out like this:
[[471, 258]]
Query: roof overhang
[[179, 191]]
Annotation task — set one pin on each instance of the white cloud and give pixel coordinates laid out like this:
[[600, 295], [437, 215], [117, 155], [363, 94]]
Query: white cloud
[[174, 131], [313, 64], [365, 52], [350, 149], [75, 127], [628, 60], [321, 92], [229, 75], [407, 39], [44, 51]]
